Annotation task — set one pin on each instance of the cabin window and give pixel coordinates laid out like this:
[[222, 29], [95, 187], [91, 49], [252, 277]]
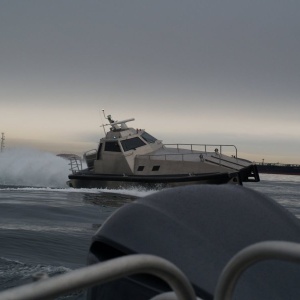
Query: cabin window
[[112, 147], [148, 138], [132, 144], [141, 168], [155, 168]]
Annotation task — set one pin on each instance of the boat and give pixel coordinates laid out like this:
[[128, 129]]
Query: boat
[[278, 168], [129, 157], [192, 242]]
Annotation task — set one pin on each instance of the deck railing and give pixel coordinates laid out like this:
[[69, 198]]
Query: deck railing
[[270, 250], [102, 273], [204, 147], [141, 263], [75, 164], [194, 149]]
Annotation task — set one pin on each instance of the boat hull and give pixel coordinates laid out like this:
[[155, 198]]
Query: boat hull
[[149, 182]]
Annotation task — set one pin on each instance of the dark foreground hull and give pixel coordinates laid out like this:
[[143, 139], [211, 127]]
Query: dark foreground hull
[[199, 229]]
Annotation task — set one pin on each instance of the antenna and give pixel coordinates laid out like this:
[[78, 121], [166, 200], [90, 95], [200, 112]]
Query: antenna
[[114, 124], [104, 113], [2, 141], [102, 121]]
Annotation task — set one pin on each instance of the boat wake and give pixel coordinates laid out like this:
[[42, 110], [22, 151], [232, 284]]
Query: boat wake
[[126, 192], [34, 168], [13, 272]]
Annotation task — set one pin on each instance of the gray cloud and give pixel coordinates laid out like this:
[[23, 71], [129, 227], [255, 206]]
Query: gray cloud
[[238, 58]]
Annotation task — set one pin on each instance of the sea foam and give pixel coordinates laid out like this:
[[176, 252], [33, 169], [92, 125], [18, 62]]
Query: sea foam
[[32, 167]]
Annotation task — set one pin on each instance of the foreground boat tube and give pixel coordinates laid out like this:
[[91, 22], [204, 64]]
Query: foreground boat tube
[[199, 229]]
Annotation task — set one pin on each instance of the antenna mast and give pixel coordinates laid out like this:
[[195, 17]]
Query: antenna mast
[[114, 124], [2, 141], [102, 122]]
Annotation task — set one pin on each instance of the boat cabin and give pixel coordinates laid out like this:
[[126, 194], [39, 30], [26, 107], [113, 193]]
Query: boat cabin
[[117, 150]]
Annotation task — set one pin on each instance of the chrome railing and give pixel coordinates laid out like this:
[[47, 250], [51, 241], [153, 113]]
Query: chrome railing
[[150, 264], [102, 273], [276, 250]]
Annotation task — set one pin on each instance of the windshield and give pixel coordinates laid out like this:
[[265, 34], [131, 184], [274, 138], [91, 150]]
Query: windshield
[[148, 138], [131, 144]]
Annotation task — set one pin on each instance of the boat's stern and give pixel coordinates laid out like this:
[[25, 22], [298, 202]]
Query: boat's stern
[[249, 174]]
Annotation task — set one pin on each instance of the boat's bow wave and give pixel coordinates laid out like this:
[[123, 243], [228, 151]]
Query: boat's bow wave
[[31, 167]]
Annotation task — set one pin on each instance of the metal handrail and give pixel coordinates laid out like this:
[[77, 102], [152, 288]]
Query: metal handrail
[[165, 156], [150, 264], [75, 164], [182, 155], [102, 273], [192, 146], [277, 250]]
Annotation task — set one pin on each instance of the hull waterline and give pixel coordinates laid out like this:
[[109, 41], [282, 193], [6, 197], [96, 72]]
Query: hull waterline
[[154, 182]]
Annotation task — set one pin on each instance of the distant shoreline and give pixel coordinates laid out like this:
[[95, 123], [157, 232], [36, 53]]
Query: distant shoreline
[[278, 168]]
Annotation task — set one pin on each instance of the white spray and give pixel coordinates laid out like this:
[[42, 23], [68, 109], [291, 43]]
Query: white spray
[[31, 167]]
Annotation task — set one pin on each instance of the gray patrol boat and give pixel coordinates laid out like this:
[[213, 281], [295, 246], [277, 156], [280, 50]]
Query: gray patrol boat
[[129, 157]]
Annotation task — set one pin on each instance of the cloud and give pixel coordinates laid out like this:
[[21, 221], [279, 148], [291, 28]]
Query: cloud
[[220, 68]]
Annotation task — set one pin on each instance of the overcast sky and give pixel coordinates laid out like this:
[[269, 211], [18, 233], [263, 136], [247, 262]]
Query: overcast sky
[[201, 71]]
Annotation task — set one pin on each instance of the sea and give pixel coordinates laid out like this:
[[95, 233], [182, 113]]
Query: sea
[[47, 227]]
